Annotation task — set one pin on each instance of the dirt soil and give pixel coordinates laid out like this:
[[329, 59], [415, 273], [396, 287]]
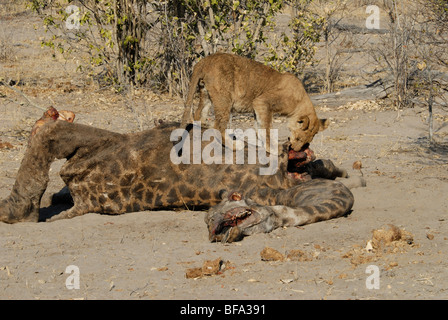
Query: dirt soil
[[148, 255]]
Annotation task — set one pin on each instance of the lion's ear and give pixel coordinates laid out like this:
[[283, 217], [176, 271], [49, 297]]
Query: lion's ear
[[305, 122], [324, 123]]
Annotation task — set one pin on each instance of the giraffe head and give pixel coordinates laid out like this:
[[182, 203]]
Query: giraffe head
[[235, 217]]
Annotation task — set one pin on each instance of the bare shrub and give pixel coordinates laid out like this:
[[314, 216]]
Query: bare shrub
[[156, 43]]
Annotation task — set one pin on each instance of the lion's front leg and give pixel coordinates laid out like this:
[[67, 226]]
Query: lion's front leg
[[264, 122]]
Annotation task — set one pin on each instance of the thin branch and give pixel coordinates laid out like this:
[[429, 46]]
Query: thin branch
[[23, 95]]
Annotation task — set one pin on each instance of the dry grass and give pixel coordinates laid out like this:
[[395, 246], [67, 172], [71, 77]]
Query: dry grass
[[11, 8], [7, 50]]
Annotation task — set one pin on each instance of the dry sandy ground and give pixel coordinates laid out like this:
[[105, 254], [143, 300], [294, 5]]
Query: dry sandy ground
[[145, 255]]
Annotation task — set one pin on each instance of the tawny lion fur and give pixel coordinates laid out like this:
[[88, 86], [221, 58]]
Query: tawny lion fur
[[236, 84]]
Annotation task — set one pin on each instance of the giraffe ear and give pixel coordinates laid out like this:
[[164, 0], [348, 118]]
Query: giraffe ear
[[223, 194]]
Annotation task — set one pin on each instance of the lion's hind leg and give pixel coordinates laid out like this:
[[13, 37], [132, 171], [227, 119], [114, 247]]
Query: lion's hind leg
[[204, 106]]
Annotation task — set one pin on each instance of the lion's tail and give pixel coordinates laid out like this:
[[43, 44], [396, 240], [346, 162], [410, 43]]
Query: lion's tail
[[197, 75]]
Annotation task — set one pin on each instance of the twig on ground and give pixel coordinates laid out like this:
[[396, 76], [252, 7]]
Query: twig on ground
[[6, 83]]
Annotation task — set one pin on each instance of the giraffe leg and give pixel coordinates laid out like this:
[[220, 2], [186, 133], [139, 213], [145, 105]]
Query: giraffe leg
[[74, 211], [55, 140]]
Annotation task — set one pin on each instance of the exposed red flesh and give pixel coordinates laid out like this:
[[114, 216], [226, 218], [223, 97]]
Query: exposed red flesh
[[299, 176], [232, 218], [51, 114], [297, 160], [302, 157]]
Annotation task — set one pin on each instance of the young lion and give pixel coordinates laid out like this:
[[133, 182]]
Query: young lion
[[233, 83]]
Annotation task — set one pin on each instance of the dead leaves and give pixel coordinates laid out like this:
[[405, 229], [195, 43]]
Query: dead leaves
[[270, 254], [386, 240], [391, 236], [209, 268], [5, 145], [218, 266]]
